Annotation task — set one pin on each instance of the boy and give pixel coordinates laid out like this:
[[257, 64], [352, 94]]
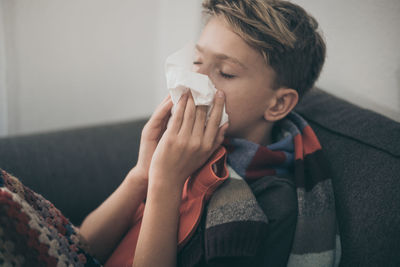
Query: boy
[[262, 56]]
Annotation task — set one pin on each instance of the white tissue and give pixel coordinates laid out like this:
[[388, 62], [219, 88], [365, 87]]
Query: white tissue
[[180, 78]]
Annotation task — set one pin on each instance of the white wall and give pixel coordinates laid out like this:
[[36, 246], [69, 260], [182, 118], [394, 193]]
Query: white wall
[[84, 62], [363, 51], [3, 89], [179, 21]]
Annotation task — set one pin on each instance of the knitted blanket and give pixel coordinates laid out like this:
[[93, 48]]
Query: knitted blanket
[[33, 232]]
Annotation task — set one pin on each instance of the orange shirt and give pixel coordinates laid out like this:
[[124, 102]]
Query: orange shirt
[[196, 192]]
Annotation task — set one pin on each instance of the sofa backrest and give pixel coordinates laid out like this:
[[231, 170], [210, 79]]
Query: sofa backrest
[[77, 169], [363, 149]]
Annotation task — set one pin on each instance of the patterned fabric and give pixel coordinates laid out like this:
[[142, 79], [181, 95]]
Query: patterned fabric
[[298, 151], [233, 214], [243, 225], [33, 232], [253, 161]]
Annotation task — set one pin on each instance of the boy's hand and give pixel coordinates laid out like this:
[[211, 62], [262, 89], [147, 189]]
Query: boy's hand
[[151, 134], [187, 143]]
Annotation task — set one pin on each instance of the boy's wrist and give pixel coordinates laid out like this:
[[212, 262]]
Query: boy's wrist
[[137, 175], [165, 183]]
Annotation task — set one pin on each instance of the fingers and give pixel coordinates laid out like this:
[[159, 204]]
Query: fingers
[[220, 136], [188, 117], [212, 127], [163, 109], [188, 122], [160, 117], [178, 116], [199, 124], [168, 97]]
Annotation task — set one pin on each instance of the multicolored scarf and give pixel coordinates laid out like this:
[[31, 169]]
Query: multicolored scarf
[[298, 152]]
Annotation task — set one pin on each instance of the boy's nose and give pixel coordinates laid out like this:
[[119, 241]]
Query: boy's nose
[[203, 69]]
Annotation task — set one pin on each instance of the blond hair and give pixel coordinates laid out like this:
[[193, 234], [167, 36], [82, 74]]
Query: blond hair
[[284, 33]]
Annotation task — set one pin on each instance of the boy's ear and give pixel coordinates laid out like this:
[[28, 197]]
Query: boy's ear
[[283, 101]]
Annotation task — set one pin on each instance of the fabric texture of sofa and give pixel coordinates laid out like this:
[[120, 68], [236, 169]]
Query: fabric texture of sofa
[[77, 169]]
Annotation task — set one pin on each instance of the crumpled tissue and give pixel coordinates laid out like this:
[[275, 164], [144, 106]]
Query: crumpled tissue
[[180, 78]]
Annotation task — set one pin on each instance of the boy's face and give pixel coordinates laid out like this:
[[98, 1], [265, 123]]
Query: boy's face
[[241, 73]]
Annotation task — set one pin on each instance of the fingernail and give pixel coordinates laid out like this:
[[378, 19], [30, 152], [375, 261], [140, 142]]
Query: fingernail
[[220, 93]]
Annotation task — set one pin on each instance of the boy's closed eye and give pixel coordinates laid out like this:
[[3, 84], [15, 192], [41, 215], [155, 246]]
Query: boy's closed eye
[[224, 74]]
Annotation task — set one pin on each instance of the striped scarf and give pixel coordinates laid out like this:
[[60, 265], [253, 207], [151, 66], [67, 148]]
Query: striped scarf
[[298, 152]]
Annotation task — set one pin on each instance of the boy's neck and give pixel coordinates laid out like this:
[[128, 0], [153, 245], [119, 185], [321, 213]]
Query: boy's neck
[[262, 134]]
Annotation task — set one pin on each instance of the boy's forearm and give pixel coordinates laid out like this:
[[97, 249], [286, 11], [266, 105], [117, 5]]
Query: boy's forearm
[[158, 238], [104, 227]]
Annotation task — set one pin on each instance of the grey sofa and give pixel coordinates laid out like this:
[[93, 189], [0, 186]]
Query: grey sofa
[[77, 169]]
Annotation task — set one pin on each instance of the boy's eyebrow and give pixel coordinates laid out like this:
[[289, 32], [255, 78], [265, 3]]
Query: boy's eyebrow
[[223, 57]]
